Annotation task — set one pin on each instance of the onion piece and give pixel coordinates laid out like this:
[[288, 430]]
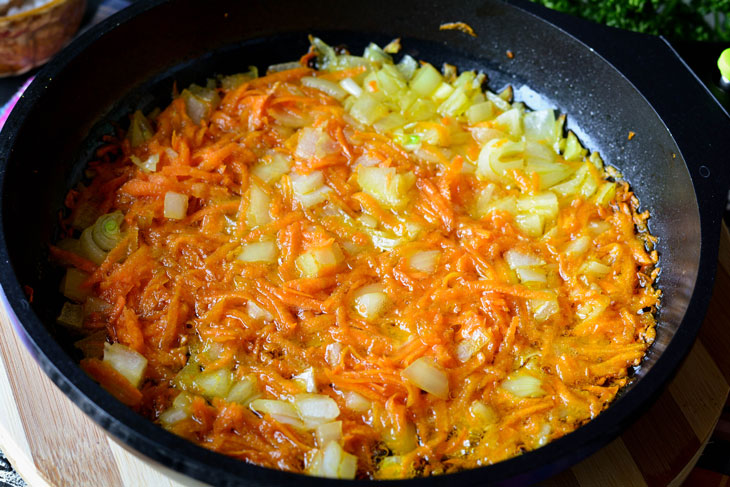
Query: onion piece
[[522, 384], [242, 391], [148, 165], [314, 144], [257, 312], [350, 86], [216, 383], [272, 168], [320, 261], [333, 353], [578, 246], [357, 402], [127, 362], [173, 416], [72, 285], [594, 268], [281, 411], [516, 259], [425, 261], [176, 205], [333, 462], [257, 213], [423, 373], [316, 407], [483, 412], [259, 252], [72, 315], [325, 86], [530, 275], [326, 432], [371, 301], [89, 248], [385, 185], [306, 380]]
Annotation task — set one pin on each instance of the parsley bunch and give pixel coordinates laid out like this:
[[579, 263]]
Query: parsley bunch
[[699, 20]]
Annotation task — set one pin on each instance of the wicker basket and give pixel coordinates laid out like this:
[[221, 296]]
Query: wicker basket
[[30, 38]]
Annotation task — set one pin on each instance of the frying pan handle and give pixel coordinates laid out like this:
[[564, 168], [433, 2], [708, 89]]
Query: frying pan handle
[[698, 123]]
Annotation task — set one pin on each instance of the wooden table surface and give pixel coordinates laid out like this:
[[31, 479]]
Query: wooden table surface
[[52, 443]]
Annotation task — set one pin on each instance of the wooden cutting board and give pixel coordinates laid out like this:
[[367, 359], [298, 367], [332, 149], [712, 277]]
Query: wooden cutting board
[[52, 443]]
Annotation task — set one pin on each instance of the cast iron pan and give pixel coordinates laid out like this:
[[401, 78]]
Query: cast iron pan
[[623, 82]]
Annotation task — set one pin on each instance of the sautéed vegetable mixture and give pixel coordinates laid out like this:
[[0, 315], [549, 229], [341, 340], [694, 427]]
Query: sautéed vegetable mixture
[[357, 268]]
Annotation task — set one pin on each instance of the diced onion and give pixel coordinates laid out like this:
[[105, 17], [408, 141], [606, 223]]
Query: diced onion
[[173, 416], [545, 204], [89, 248], [327, 432], [516, 259], [309, 189], [95, 305], [499, 156], [148, 165], [591, 309], [272, 168], [314, 143], [316, 407], [426, 80], [332, 353], [367, 109], [257, 212], [199, 102], [573, 150], [424, 374], [522, 384], [599, 227], [71, 315], [319, 261], [212, 384], [176, 205], [401, 439], [531, 275], [140, 129], [465, 349], [480, 112], [425, 261], [182, 400], [594, 268], [578, 246], [281, 411], [349, 85], [542, 309], [371, 301], [532, 224], [483, 412], [333, 462], [242, 391], [126, 361], [72, 285], [540, 125], [385, 185], [325, 86], [259, 252], [306, 380], [257, 312], [390, 468], [357, 402], [511, 122], [407, 66]]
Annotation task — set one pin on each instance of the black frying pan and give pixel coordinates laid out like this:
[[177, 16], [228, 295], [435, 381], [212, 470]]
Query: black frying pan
[[623, 82]]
